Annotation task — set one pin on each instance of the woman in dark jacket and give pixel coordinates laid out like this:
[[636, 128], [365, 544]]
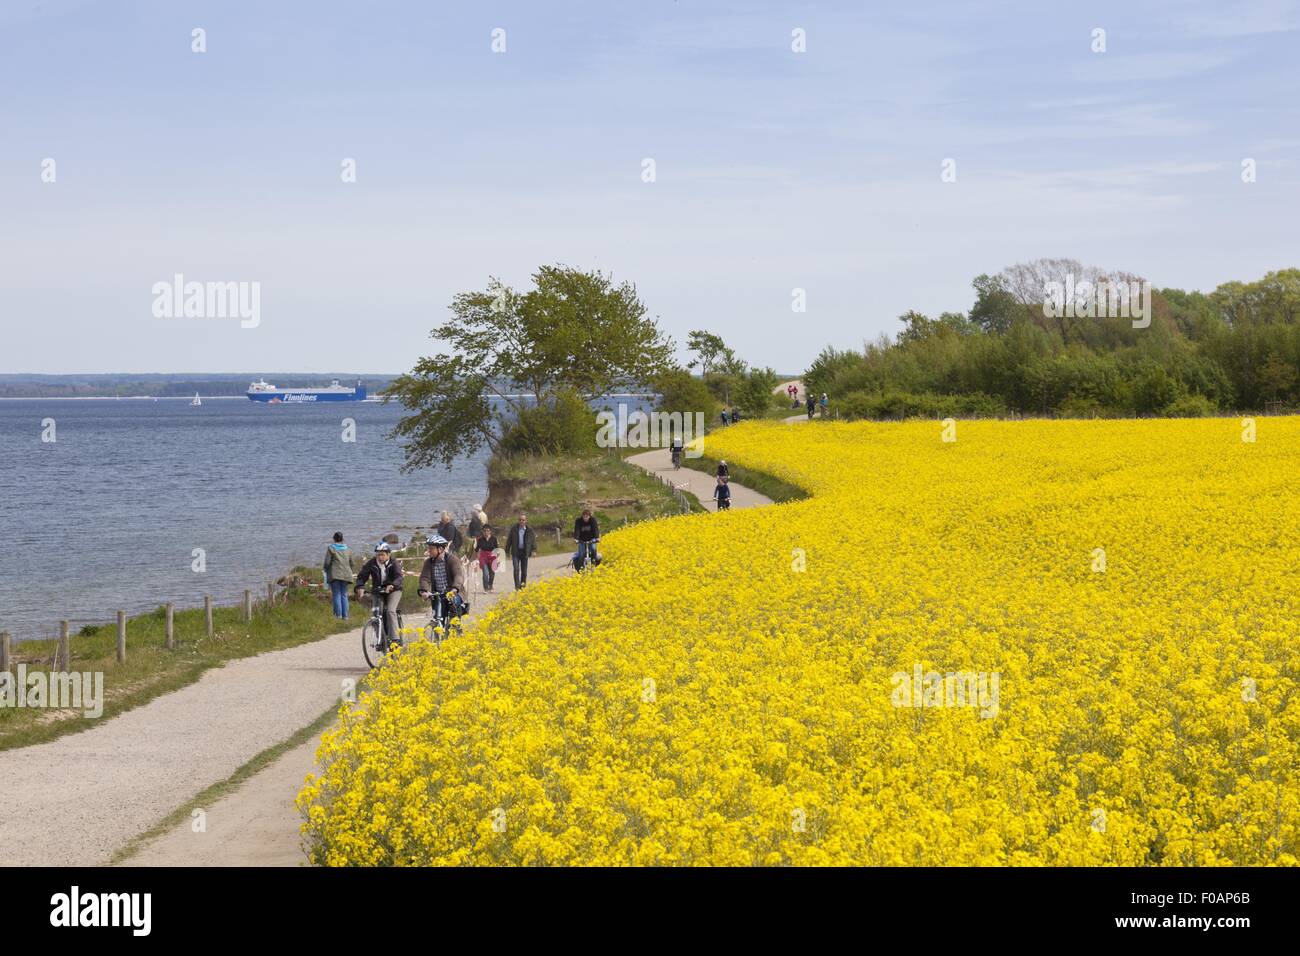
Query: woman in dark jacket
[[384, 575], [486, 546]]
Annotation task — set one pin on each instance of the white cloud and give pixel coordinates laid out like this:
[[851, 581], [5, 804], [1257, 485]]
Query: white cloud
[[1235, 18]]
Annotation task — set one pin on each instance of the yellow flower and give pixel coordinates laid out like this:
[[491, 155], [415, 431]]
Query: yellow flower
[[1045, 643]]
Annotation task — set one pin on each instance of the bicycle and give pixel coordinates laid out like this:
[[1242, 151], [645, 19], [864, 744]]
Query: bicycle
[[374, 643], [676, 456], [586, 558], [442, 623]]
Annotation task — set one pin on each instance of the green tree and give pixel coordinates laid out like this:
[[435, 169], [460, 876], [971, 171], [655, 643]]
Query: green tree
[[708, 349], [1276, 378], [753, 393], [680, 391], [561, 424], [574, 332], [995, 307]]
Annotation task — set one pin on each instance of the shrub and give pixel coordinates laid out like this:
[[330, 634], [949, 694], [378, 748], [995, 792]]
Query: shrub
[[754, 392], [1190, 406], [680, 391], [1081, 406], [899, 405], [564, 424]]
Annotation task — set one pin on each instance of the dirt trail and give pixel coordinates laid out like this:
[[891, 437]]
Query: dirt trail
[[86, 795], [76, 800], [256, 824], [659, 462]]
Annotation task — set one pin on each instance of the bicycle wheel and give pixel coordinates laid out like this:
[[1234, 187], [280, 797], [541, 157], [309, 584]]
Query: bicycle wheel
[[371, 645]]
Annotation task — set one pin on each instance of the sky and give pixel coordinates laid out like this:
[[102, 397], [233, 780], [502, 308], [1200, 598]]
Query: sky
[[774, 170]]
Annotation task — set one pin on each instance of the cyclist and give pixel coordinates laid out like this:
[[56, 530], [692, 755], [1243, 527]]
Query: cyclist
[[586, 532], [442, 579], [722, 493], [723, 470], [385, 574], [812, 406], [675, 451]]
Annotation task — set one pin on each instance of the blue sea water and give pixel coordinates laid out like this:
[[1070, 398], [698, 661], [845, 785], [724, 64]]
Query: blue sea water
[[108, 515]]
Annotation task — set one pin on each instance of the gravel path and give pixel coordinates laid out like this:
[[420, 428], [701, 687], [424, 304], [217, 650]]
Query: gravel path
[[659, 462], [77, 800]]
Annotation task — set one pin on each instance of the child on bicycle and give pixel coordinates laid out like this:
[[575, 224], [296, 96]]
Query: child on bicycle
[[722, 493]]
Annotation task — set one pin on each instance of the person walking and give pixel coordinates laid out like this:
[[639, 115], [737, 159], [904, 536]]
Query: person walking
[[338, 574], [486, 546], [825, 403], [447, 528], [521, 544], [476, 520], [725, 420]]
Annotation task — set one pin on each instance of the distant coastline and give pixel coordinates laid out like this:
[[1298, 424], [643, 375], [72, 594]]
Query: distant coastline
[[141, 385], [114, 398]]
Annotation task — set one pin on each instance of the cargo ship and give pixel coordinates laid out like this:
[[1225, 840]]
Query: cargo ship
[[261, 391]]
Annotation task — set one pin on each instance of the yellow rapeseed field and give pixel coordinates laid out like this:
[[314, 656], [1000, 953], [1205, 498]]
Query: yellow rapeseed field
[[1118, 601]]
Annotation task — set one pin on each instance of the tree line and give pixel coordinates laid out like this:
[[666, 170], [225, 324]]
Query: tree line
[[524, 370], [1234, 349]]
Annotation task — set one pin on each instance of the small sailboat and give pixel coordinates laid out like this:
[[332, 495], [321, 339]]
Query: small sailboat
[[197, 400]]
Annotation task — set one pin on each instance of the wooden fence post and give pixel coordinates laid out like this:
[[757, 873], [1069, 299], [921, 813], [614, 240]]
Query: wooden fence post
[[121, 637], [4, 651], [171, 626], [248, 605], [270, 593], [64, 651], [207, 612]]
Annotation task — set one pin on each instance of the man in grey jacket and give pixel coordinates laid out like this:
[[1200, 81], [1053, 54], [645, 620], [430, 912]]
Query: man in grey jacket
[[521, 544], [442, 574]]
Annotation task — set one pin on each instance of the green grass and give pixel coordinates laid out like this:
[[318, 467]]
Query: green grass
[[552, 491], [298, 616]]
